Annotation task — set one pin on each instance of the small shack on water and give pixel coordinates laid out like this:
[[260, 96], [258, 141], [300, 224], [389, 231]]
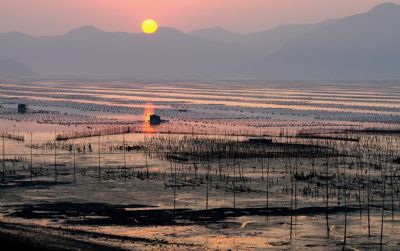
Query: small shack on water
[[22, 108], [154, 119]]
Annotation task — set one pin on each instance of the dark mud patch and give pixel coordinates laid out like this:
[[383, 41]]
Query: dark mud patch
[[32, 184], [102, 214]]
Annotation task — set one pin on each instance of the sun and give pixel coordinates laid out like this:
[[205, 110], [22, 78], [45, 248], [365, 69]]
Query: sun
[[149, 26]]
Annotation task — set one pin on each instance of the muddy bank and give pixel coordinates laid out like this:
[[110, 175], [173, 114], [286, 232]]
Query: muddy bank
[[35, 237], [100, 214], [23, 237]]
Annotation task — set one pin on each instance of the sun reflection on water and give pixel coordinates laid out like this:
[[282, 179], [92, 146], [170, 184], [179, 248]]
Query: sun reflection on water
[[148, 111]]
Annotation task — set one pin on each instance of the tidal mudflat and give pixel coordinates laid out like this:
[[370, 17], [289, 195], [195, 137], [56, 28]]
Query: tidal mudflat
[[273, 165]]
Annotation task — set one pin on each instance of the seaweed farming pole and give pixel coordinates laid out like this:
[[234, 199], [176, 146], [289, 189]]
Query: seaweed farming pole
[[147, 166], [267, 184], [262, 167], [345, 208], [236, 161], [360, 180], [208, 182], [31, 166], [99, 152], [327, 198], [123, 142], [55, 156], [175, 183], [296, 160], [392, 195], [368, 201], [291, 196], [234, 181], [74, 152], [383, 174], [4, 160]]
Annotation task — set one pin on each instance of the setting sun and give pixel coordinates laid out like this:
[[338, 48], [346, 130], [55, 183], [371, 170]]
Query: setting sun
[[149, 26]]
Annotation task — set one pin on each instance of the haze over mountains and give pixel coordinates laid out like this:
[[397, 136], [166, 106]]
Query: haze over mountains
[[266, 41], [11, 68], [364, 46]]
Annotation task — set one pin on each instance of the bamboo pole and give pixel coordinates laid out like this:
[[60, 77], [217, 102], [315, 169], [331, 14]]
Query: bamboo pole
[[4, 160], [31, 166]]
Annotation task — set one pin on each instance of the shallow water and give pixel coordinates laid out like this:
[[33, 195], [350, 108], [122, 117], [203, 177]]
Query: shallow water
[[233, 111]]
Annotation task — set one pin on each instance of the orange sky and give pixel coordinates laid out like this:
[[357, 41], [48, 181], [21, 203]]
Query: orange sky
[[46, 17]]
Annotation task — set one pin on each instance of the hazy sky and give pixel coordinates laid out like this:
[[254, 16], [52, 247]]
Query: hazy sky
[[48, 17]]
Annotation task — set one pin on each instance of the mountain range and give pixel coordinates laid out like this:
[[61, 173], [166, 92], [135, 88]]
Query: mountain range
[[363, 46], [11, 68]]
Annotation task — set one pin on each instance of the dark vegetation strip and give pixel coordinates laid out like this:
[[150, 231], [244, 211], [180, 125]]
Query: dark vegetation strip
[[107, 214]]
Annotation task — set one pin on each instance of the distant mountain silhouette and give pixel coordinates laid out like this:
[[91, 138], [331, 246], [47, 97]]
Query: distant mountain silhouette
[[364, 46], [11, 68], [218, 34], [89, 52], [266, 41]]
